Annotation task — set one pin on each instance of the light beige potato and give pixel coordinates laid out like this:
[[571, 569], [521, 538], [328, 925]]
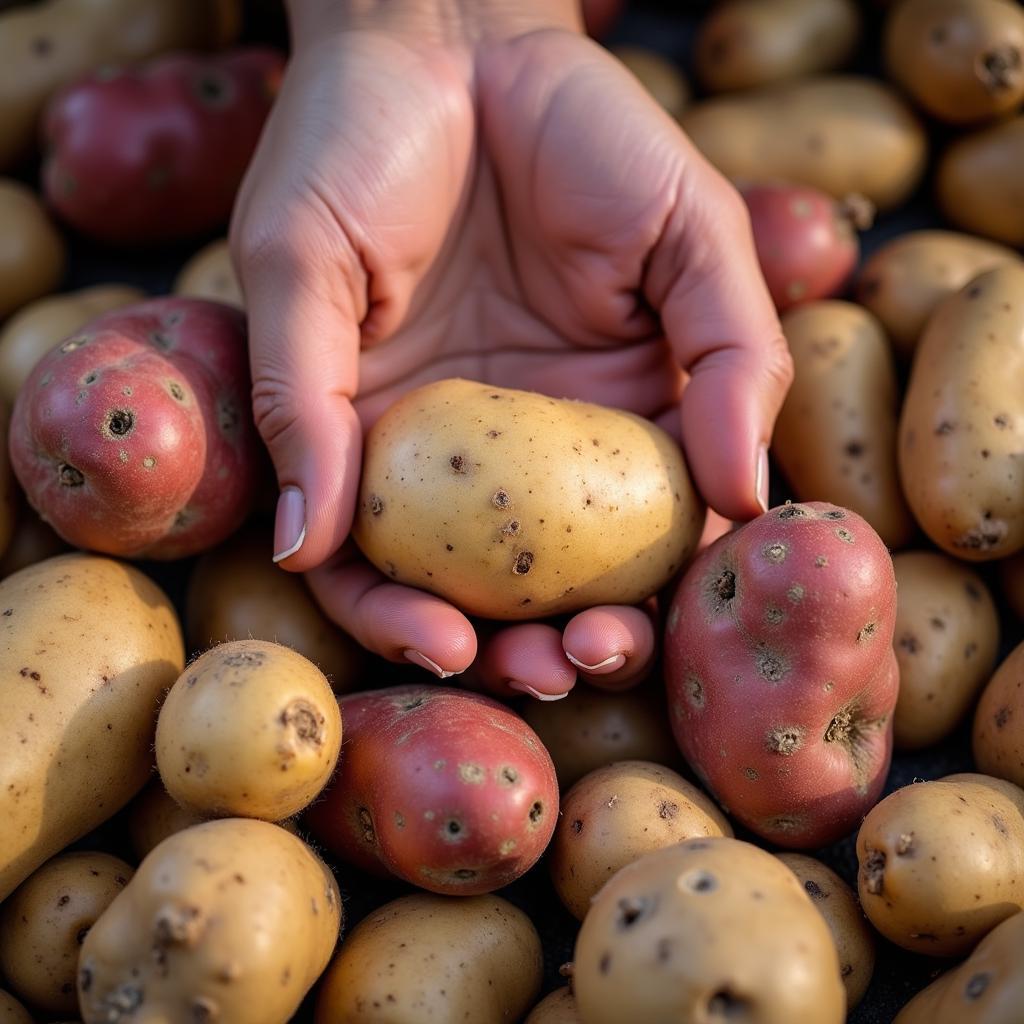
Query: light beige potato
[[905, 279], [942, 863], [946, 640], [615, 815], [706, 930], [743, 44], [838, 133], [32, 252], [558, 1007], [987, 988], [998, 734], [210, 274], [513, 505], [231, 920], [835, 438], [40, 325], [31, 541], [837, 904], [658, 75], [961, 60], [445, 959], [11, 1011], [45, 920], [1011, 577], [88, 647], [977, 182], [8, 488], [962, 424]]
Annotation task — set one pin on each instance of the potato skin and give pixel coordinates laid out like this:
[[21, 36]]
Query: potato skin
[[8, 491], [474, 958], [43, 922], [522, 506], [31, 541], [841, 134], [153, 816], [210, 274], [689, 931], [32, 255], [231, 920], [558, 1007], [1011, 578], [962, 423], [658, 75], [11, 1011], [946, 640], [836, 433], [942, 863], [998, 734], [88, 649]]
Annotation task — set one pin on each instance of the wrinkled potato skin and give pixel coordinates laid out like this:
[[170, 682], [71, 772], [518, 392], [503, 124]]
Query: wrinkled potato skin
[[987, 988], [558, 1007], [615, 815], [837, 904], [44, 920], [977, 182], [86, 653], [32, 252], [904, 280], [467, 958], [1011, 576], [942, 863], [998, 736], [946, 640], [11, 1011], [681, 934], [231, 920], [523, 506], [658, 75], [836, 433], [961, 60], [31, 541], [962, 424], [210, 274], [840, 133], [743, 44]]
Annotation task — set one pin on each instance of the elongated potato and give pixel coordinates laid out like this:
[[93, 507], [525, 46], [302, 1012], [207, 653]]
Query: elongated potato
[[998, 737], [89, 646], [962, 424], [746, 43], [31, 249], [658, 75], [842, 134], [836, 435], [209, 274]]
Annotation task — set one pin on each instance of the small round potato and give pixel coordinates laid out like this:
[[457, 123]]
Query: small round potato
[[558, 1007], [946, 640], [1011, 576], [210, 274], [658, 75], [31, 249], [998, 738], [45, 920], [437, 958], [11, 1011], [615, 815], [250, 729]]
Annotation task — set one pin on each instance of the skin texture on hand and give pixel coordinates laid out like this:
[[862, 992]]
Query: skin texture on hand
[[457, 189]]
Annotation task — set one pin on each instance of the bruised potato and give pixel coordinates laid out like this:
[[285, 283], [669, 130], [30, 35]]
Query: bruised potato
[[210, 274], [513, 505], [658, 75], [998, 737], [31, 250]]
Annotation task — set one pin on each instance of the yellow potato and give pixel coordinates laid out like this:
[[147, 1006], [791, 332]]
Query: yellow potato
[[31, 249], [11, 1011], [835, 439], [513, 505], [558, 1007], [658, 75], [231, 920], [89, 647], [998, 738], [210, 274], [45, 920], [904, 280], [839, 133], [31, 541], [746, 43], [1011, 576], [445, 959], [962, 424]]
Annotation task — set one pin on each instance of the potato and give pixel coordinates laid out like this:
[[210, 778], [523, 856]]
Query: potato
[[705, 930], [998, 736], [746, 43], [1011, 578], [8, 490], [841, 134], [513, 505], [45, 920], [658, 75], [977, 182], [153, 816], [942, 863], [250, 729], [231, 920], [11, 1011], [962, 424], [906, 278], [961, 60], [615, 815], [836, 433], [40, 325], [31, 541], [210, 274], [31, 250], [987, 988], [558, 1007], [946, 639], [837, 904], [420, 957], [89, 646]]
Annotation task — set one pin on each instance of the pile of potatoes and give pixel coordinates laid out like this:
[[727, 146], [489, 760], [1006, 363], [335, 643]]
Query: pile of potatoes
[[217, 808]]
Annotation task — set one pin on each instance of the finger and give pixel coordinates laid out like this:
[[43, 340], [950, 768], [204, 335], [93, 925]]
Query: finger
[[611, 645], [526, 659]]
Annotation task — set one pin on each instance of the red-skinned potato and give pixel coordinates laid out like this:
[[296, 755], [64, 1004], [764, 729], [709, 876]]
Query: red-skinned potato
[[448, 790], [155, 153], [998, 737], [780, 671], [134, 437]]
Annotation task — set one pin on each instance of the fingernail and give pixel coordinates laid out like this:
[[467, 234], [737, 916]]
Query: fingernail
[[761, 483], [289, 523], [612, 664], [420, 659], [514, 684]]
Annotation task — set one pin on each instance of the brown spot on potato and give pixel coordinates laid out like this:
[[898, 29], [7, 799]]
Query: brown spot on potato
[[726, 1005], [366, 825], [773, 616], [577, 826], [905, 844], [1000, 826], [751, 773], [459, 464], [507, 775], [1001, 420], [784, 740], [472, 773], [501, 499], [667, 809], [770, 665], [844, 535], [867, 632], [605, 963], [523, 563], [855, 449], [632, 909], [775, 552], [536, 812], [789, 511], [874, 871], [69, 476], [694, 691], [375, 504], [795, 593], [945, 427], [976, 985], [1002, 716], [512, 528], [909, 643], [814, 890]]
